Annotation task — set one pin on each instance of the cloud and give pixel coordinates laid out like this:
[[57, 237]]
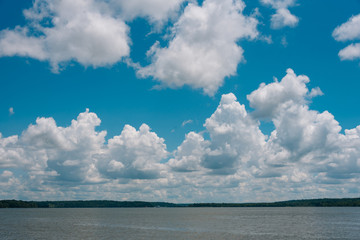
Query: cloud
[[277, 4], [302, 131], [299, 132], [11, 111], [84, 31], [283, 17], [189, 154], [134, 154], [234, 135], [303, 139], [186, 122], [268, 98], [6, 174], [17, 43], [10, 155], [305, 146], [73, 154], [284, 41], [66, 153], [231, 160], [351, 52], [203, 49], [349, 31], [156, 11]]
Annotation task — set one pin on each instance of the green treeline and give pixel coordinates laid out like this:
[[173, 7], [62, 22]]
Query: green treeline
[[81, 204], [326, 202]]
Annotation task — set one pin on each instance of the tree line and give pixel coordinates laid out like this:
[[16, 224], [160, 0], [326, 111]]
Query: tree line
[[325, 202]]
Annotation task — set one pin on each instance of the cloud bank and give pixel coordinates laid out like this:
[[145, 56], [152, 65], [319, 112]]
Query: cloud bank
[[306, 155]]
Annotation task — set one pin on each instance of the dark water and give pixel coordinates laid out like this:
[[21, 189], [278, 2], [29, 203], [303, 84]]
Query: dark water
[[181, 223]]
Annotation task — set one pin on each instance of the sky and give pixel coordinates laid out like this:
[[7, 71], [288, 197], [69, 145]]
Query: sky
[[179, 101]]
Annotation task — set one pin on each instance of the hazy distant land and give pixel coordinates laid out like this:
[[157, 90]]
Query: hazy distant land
[[325, 202]]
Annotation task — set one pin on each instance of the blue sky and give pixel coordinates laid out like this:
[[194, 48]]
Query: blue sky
[[176, 111]]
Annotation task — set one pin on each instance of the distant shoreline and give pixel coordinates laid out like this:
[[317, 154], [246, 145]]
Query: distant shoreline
[[324, 202]]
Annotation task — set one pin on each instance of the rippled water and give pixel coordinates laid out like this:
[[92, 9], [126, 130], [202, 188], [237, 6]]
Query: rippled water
[[181, 223]]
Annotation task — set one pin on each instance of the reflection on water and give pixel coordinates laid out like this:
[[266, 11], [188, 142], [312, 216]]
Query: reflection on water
[[181, 223]]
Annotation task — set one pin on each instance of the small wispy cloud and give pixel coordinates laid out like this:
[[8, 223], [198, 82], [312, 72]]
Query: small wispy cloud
[[186, 122], [11, 111], [284, 41]]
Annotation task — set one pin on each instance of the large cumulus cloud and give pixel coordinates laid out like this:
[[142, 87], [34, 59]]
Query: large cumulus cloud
[[134, 154], [84, 31], [305, 147], [203, 49], [73, 154]]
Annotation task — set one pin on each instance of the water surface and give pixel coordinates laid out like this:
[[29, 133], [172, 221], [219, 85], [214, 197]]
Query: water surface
[[181, 223]]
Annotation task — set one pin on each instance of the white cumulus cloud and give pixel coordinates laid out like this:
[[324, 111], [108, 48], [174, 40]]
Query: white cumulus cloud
[[74, 153], [84, 31], [134, 154], [190, 153], [267, 99], [235, 136], [349, 31], [283, 17], [350, 52], [305, 146], [204, 49], [66, 152]]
